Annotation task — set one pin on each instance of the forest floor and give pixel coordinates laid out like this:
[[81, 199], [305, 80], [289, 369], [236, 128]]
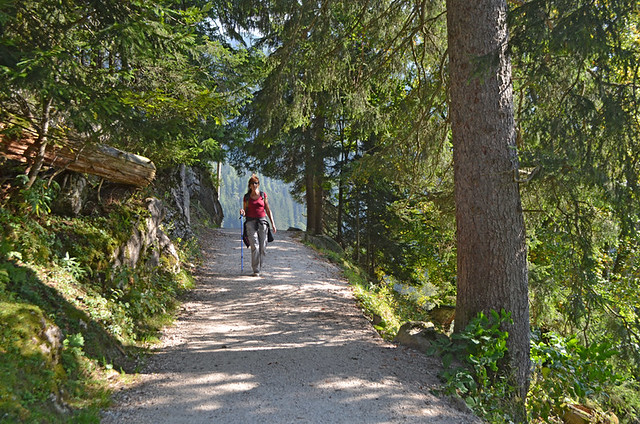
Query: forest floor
[[290, 346]]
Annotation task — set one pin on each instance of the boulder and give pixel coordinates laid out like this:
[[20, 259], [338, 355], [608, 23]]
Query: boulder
[[443, 317], [189, 195], [74, 189], [418, 335], [49, 340]]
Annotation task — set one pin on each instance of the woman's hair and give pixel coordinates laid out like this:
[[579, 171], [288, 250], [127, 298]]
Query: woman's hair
[[253, 179]]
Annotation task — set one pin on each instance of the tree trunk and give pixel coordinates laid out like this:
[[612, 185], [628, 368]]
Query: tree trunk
[[319, 202], [340, 209], [341, 182], [218, 177], [101, 160], [492, 266], [310, 188], [40, 144], [357, 211], [318, 164]]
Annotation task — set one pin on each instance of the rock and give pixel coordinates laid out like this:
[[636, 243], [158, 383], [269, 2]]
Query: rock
[[204, 197], [376, 319], [49, 341], [189, 194], [458, 403], [325, 242], [418, 335], [443, 317], [72, 196], [148, 242]]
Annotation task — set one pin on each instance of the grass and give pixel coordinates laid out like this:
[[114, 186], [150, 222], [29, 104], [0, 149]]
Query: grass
[[384, 306]]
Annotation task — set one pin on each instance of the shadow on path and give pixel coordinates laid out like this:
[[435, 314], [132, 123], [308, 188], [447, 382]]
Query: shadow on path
[[288, 347]]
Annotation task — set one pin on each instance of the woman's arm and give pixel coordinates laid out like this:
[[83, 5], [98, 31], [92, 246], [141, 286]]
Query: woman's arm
[[245, 205], [267, 209]]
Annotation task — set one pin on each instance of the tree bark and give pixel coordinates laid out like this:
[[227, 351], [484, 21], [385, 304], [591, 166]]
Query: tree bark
[[492, 266], [40, 146], [310, 187], [318, 183], [218, 177], [318, 163], [101, 160]]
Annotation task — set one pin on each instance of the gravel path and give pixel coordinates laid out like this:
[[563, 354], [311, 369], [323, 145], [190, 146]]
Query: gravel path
[[290, 346]]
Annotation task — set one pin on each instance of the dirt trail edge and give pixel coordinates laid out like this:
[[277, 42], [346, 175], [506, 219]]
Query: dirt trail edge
[[290, 346]]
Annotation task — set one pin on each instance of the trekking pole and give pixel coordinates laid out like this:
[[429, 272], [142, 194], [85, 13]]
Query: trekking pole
[[241, 243]]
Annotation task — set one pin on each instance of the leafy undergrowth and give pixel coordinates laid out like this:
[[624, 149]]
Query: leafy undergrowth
[[566, 375], [71, 327]]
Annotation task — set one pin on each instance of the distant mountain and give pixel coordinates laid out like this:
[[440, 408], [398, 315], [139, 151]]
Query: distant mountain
[[286, 211]]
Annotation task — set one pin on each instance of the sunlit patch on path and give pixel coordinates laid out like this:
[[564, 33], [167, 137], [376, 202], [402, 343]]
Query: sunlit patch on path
[[290, 346]]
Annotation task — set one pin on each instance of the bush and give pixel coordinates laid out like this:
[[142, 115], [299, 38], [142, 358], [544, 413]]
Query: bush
[[565, 371], [474, 369]]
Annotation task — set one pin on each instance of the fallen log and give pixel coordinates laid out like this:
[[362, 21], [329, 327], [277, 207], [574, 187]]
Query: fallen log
[[96, 159]]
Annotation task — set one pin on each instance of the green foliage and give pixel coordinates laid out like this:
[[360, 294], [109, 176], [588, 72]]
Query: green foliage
[[154, 78], [37, 198], [73, 267], [356, 97], [74, 343], [419, 244], [474, 366], [577, 116], [58, 270], [31, 378], [24, 236], [568, 372], [380, 300]]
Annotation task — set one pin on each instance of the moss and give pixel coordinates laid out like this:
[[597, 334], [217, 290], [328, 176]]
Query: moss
[[21, 323], [92, 240], [30, 374], [57, 270]]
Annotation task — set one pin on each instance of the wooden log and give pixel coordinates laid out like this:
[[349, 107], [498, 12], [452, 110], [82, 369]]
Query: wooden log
[[96, 159]]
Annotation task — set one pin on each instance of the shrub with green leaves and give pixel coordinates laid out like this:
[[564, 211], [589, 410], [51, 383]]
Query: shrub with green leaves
[[37, 198], [473, 365], [566, 371]]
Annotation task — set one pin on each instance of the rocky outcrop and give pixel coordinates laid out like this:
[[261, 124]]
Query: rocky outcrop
[[49, 340], [443, 316], [74, 191], [190, 196], [148, 241]]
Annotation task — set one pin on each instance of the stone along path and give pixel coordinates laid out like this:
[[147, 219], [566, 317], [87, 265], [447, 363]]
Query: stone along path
[[290, 346]]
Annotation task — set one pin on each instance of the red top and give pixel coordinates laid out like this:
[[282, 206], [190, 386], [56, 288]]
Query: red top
[[255, 208]]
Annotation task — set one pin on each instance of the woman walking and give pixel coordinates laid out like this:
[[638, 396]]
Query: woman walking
[[255, 208]]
